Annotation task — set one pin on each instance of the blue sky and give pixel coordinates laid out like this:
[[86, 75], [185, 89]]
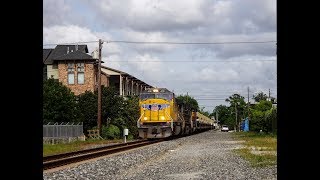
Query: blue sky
[[210, 73]]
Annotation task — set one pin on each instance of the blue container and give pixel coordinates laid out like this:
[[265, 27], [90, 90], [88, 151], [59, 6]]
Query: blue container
[[242, 126], [246, 125]]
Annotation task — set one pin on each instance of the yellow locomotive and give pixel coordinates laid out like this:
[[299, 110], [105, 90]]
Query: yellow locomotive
[[161, 116]]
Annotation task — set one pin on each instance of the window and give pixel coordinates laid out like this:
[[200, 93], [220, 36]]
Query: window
[[166, 96], [70, 78], [70, 67], [80, 67], [80, 70], [70, 73], [80, 78]]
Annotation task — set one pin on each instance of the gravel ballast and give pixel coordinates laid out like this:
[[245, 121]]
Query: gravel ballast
[[207, 155]]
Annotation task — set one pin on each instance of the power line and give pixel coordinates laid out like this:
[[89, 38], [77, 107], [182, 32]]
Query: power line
[[163, 42], [210, 98], [167, 42], [248, 60], [216, 92], [69, 43], [222, 97]]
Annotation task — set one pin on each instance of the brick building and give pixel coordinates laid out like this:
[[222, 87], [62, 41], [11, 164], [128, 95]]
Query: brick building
[[71, 65]]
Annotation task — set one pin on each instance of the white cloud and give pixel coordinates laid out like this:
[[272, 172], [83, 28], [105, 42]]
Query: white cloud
[[216, 75], [151, 37], [71, 33], [151, 71], [113, 61], [176, 21], [151, 15]]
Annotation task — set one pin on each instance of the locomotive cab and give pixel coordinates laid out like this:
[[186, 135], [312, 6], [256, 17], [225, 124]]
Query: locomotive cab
[[156, 106]]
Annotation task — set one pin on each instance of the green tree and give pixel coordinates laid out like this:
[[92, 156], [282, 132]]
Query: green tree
[[88, 110], [263, 105], [112, 105], [257, 121], [273, 100], [130, 114], [59, 103], [238, 107], [206, 113], [262, 116], [260, 96], [271, 119], [116, 111], [188, 102], [223, 114]]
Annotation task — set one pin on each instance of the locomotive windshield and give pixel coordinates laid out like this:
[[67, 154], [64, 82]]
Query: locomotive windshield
[[166, 96]]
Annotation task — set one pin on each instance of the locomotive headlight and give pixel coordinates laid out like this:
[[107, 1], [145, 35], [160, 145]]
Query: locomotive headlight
[[162, 118], [145, 118]]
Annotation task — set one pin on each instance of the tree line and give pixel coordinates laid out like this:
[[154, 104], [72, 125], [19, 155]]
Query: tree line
[[61, 105], [262, 115]]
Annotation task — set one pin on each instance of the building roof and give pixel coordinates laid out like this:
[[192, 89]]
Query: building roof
[[127, 75], [46, 53], [61, 50], [105, 74], [75, 55], [120, 72]]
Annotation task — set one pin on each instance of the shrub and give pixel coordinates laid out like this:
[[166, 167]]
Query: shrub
[[111, 132]]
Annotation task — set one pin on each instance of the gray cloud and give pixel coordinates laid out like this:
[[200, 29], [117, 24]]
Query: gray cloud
[[149, 15], [181, 21], [63, 12], [214, 17], [54, 12]]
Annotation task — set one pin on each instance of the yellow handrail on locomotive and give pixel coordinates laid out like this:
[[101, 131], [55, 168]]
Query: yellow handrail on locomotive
[[138, 122], [171, 120]]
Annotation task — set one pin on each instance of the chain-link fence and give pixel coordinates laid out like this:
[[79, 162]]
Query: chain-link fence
[[55, 132]]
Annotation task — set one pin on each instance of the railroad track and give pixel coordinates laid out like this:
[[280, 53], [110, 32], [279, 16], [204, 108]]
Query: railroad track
[[57, 160]]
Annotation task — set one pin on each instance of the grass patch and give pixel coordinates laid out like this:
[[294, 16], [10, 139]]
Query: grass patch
[[51, 149], [263, 143], [257, 160]]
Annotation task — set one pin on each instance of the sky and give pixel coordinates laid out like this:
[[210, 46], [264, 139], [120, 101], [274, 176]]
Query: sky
[[209, 73]]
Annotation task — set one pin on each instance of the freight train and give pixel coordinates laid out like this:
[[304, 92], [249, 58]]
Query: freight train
[[162, 116]]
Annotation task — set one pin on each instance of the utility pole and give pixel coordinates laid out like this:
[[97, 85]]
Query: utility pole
[[269, 94], [217, 115], [248, 102], [187, 101], [235, 106], [99, 87], [248, 94]]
